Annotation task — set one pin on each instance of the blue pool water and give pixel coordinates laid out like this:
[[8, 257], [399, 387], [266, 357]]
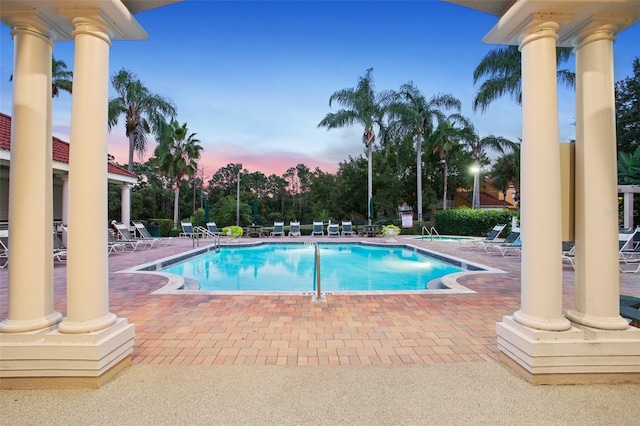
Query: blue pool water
[[291, 267]]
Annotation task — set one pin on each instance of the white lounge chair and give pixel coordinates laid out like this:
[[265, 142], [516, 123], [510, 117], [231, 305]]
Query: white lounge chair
[[347, 228], [189, 231], [512, 245], [278, 229], [212, 230], [317, 229], [294, 229], [144, 234], [491, 237], [129, 241], [333, 230]]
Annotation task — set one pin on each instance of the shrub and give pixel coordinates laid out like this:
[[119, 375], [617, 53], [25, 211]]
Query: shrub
[[390, 230], [465, 221], [232, 231]]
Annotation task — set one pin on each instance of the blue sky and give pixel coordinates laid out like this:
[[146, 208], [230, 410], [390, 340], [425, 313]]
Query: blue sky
[[253, 79]]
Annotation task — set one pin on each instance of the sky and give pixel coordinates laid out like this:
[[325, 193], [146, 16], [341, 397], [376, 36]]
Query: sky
[[253, 78]]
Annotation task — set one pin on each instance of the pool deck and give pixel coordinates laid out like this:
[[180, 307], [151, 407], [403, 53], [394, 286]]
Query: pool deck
[[424, 337]]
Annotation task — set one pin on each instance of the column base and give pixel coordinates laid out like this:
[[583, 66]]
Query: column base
[[580, 355], [48, 359]]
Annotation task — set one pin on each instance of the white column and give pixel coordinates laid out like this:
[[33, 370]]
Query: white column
[[65, 198], [125, 204], [597, 283], [31, 186], [541, 288], [628, 209], [87, 264]]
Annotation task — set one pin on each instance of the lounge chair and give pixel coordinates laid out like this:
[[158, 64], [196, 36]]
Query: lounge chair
[[189, 231], [127, 239], [491, 238], [59, 249], [568, 252], [347, 228], [278, 229], [294, 229], [333, 230], [144, 234], [212, 230], [4, 248], [317, 229], [629, 251], [512, 245]]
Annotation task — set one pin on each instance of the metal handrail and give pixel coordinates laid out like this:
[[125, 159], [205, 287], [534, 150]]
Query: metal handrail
[[430, 232]]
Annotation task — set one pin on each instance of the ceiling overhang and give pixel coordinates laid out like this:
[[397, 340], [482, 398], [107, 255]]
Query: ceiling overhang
[[53, 18], [574, 16]]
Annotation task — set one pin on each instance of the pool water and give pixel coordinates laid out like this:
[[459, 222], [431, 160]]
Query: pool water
[[291, 268]]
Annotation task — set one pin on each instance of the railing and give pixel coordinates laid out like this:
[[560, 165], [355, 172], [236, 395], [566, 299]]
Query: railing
[[430, 232], [316, 279]]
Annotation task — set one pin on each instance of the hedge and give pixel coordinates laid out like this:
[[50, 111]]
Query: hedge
[[466, 221]]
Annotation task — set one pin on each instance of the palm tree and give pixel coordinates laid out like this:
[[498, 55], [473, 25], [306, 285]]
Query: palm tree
[[506, 170], [362, 106], [477, 148], [144, 111], [178, 152], [502, 68], [445, 139], [60, 78], [419, 116]]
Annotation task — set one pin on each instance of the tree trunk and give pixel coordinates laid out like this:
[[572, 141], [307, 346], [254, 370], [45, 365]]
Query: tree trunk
[[446, 178], [176, 207], [130, 165]]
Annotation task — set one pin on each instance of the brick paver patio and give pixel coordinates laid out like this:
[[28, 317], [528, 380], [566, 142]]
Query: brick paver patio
[[210, 329]]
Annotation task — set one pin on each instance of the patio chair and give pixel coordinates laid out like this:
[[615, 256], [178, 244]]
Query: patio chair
[[568, 252], [144, 234], [294, 229], [491, 237], [59, 249], [4, 248], [317, 229], [629, 251], [212, 230], [129, 241], [510, 246], [347, 228], [278, 229], [333, 230], [189, 231]]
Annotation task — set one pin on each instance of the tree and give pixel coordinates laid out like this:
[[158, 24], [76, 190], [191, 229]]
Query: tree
[[362, 106], [477, 148], [419, 117], [61, 78], [444, 140], [502, 70], [629, 168], [144, 111], [178, 153], [628, 111], [506, 170]]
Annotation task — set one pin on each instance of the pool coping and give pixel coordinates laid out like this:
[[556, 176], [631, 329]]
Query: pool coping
[[447, 284]]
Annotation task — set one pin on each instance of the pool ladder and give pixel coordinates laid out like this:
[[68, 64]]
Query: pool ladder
[[318, 296], [430, 232]]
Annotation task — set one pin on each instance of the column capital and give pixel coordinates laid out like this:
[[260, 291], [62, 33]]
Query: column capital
[[539, 25], [89, 21], [33, 21], [597, 28]]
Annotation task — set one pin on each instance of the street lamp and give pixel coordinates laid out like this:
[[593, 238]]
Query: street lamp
[[475, 200], [239, 166]]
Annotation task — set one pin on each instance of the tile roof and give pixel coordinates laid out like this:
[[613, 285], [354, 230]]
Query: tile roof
[[486, 200], [60, 148]]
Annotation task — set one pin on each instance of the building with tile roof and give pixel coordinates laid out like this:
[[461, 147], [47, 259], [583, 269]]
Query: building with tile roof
[[60, 150]]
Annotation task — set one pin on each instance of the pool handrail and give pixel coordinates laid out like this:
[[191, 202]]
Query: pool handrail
[[430, 232]]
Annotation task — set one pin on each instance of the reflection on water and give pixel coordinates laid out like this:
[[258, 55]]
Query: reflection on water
[[291, 267]]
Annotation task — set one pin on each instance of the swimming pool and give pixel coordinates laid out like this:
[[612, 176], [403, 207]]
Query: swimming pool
[[444, 238], [290, 267]]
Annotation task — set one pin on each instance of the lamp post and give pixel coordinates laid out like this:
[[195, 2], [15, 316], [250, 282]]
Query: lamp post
[[475, 200], [239, 166]]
